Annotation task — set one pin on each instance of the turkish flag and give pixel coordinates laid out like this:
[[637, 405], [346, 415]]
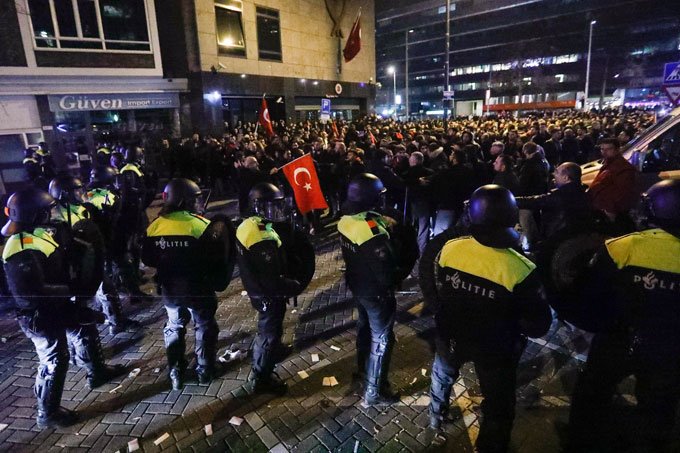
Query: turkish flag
[[301, 176], [353, 45], [265, 122]]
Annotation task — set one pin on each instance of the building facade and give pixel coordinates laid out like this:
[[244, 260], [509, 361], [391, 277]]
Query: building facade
[[235, 52], [523, 55], [77, 72]]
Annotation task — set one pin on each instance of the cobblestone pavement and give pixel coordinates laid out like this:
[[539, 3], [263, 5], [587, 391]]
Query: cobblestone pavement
[[311, 417]]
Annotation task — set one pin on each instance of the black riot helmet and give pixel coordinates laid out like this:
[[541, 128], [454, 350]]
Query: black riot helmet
[[493, 215], [117, 160], [134, 154], [67, 189], [26, 210], [182, 194], [267, 201], [103, 177], [365, 192], [662, 205]]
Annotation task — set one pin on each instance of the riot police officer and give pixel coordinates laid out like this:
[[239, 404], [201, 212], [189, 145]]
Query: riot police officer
[[32, 169], [179, 246], [132, 221], [634, 281], [276, 263], [374, 269], [38, 278], [105, 210], [68, 192], [488, 299]]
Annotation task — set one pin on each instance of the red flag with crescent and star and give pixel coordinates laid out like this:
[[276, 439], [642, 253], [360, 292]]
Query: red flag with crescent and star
[[302, 177], [353, 45], [265, 122]]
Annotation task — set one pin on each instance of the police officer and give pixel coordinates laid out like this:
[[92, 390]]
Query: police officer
[[488, 299], [68, 192], [38, 279], [132, 221], [174, 245], [105, 210], [31, 165], [635, 282], [373, 269], [270, 257]]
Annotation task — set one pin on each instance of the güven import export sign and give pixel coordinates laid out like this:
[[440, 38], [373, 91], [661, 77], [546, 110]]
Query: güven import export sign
[[122, 101]]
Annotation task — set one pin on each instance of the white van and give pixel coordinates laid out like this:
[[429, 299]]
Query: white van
[[655, 153]]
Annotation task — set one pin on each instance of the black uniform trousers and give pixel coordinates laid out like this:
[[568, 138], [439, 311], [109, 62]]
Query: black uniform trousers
[[202, 310], [613, 357], [375, 325], [497, 374], [51, 340], [270, 314]]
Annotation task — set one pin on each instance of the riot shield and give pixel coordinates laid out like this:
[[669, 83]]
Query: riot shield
[[404, 241], [300, 255], [218, 243], [427, 269], [568, 269], [86, 251]]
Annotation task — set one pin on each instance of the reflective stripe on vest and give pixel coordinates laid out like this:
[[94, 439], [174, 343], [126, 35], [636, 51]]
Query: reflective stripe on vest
[[133, 168], [39, 240], [651, 249], [253, 230], [178, 223], [505, 267], [361, 227], [100, 198]]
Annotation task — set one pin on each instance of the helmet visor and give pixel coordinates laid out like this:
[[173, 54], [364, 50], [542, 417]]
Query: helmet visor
[[274, 211]]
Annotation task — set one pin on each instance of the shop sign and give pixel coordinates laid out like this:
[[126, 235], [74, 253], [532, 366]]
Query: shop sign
[[122, 101]]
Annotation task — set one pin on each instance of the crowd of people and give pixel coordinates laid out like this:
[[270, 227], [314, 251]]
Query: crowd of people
[[448, 194]]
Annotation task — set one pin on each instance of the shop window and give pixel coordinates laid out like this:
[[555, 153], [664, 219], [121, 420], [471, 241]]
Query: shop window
[[268, 34], [105, 25], [229, 22]]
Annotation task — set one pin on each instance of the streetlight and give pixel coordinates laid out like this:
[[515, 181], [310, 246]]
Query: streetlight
[[590, 49], [393, 71]]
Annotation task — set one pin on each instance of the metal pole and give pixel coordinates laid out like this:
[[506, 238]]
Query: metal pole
[[394, 84], [446, 54], [406, 76], [604, 83], [590, 49]]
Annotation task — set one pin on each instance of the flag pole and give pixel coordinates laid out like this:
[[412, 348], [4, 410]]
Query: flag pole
[[294, 160]]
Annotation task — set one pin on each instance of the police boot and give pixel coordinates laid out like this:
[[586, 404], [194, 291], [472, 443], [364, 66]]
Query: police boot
[[98, 372], [206, 355], [48, 390], [378, 391], [264, 379], [177, 378]]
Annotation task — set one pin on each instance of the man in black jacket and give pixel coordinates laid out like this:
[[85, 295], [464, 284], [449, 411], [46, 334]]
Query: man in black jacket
[[450, 189], [505, 177], [566, 209], [533, 180], [419, 197]]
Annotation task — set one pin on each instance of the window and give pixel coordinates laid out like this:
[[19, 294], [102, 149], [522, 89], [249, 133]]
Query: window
[[106, 25], [230, 36], [268, 34]]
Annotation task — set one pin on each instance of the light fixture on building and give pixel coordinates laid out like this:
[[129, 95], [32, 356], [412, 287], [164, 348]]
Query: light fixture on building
[[243, 76], [303, 80], [616, 76], [316, 82]]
